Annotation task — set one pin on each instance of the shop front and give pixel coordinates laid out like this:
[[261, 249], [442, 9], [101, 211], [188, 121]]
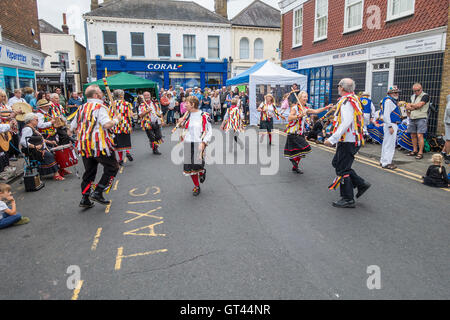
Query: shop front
[[18, 66], [169, 73]]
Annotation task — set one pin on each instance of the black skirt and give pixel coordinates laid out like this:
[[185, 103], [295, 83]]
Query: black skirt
[[122, 141], [48, 165], [268, 125], [296, 146], [192, 163]]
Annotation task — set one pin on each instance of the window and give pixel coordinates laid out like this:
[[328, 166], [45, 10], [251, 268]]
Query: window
[[353, 15], [244, 50], [110, 43], [137, 44], [213, 47], [259, 49], [400, 8], [164, 45], [189, 46], [321, 24], [297, 32]]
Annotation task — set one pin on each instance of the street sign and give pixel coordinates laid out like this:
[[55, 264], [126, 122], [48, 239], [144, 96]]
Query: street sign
[[63, 77], [55, 65]]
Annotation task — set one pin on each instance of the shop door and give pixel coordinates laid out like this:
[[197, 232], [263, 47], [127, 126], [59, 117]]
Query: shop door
[[380, 82]]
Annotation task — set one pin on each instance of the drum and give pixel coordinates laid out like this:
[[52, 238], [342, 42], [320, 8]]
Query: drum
[[376, 133], [404, 138], [65, 156]]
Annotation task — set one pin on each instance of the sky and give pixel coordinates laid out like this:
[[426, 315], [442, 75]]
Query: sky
[[51, 11]]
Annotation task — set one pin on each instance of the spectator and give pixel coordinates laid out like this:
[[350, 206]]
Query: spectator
[[292, 98], [62, 99], [34, 100], [183, 106], [223, 97], [436, 175], [198, 94], [216, 106], [164, 101], [16, 98], [418, 116], [206, 103], [171, 109], [74, 103], [9, 216], [317, 128], [29, 94], [446, 149]]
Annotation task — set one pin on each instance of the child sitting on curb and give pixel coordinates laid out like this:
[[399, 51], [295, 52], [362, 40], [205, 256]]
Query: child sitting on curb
[[9, 216], [436, 175]]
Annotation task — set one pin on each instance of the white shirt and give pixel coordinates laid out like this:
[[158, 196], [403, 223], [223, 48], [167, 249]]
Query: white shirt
[[41, 123], [389, 106], [3, 207], [27, 132], [347, 119], [270, 108], [195, 129], [153, 115], [15, 100], [101, 115]]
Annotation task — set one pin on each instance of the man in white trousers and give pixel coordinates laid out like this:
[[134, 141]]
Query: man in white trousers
[[368, 112], [392, 118]]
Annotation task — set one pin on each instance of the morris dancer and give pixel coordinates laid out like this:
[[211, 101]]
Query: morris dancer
[[92, 124], [392, 117], [151, 121], [198, 131], [122, 132], [296, 145], [268, 111], [234, 120], [348, 134]]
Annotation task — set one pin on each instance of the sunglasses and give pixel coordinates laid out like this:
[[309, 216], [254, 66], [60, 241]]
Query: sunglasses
[[416, 90]]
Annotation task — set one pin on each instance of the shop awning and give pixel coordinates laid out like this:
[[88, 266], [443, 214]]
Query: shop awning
[[125, 81]]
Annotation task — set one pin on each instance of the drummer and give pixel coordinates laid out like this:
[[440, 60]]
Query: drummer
[[37, 145]]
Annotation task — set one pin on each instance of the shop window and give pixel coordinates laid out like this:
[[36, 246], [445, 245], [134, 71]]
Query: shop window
[[259, 49], [137, 44], [214, 80], [353, 15], [189, 46], [192, 80], [244, 49], [400, 8], [297, 34], [213, 47], [177, 79], [110, 43], [321, 23], [164, 45]]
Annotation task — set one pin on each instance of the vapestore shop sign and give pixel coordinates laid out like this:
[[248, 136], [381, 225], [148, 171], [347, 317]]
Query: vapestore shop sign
[[163, 66], [14, 57]]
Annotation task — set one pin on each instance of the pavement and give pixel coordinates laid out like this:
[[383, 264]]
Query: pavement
[[246, 236]]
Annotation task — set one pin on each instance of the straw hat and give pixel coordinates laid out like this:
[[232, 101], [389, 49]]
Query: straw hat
[[43, 103], [393, 89]]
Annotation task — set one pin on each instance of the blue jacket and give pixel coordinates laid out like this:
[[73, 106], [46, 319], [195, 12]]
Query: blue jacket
[[396, 116]]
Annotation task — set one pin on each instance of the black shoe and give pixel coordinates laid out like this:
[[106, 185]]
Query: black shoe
[[129, 157], [121, 163], [344, 203], [86, 203], [155, 151], [363, 189], [297, 170], [98, 197], [196, 191], [203, 177]]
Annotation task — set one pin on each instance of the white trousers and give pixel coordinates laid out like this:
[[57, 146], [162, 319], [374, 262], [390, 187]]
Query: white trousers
[[366, 122], [389, 144]]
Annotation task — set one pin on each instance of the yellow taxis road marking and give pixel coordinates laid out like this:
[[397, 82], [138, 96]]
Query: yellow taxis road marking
[[120, 256], [77, 290], [115, 185], [134, 194], [145, 201], [146, 214], [121, 170], [108, 207], [151, 231], [96, 239]]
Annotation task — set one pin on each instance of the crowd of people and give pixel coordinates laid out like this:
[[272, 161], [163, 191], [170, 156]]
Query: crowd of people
[[101, 127]]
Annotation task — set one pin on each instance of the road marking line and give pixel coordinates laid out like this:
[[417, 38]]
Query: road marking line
[[115, 185], [141, 215], [125, 161], [133, 194], [108, 207], [120, 256], [77, 290], [121, 170], [145, 201], [151, 232], [158, 190], [96, 239]]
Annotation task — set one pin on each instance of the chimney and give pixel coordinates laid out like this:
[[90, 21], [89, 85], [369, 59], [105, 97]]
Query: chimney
[[220, 7], [64, 27], [94, 5]]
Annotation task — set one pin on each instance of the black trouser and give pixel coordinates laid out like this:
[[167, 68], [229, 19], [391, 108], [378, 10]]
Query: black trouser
[[110, 169], [154, 134], [224, 111], [342, 162], [13, 150]]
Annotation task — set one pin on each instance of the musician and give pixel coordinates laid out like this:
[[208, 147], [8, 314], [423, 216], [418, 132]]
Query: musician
[[58, 109], [9, 119], [296, 145], [368, 111], [151, 121], [392, 117], [198, 135], [122, 132], [47, 114], [17, 98], [34, 145], [268, 111], [92, 123], [348, 134]]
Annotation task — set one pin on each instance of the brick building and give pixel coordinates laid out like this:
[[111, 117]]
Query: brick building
[[20, 55], [378, 43]]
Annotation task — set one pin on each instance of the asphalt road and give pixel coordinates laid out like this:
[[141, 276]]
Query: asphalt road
[[247, 236]]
